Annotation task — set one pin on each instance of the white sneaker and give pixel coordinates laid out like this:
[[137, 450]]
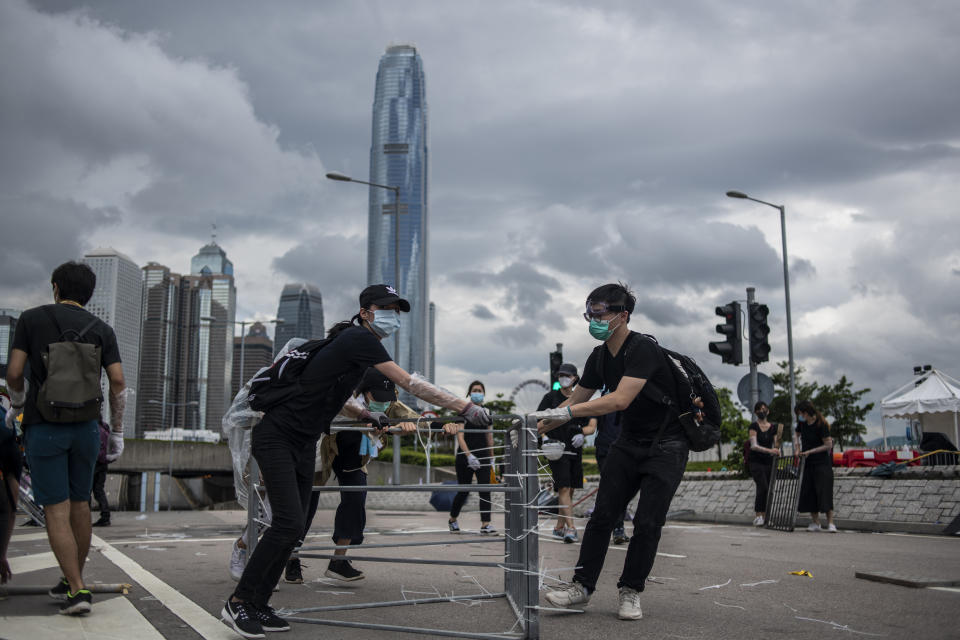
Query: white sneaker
[[238, 560], [832, 528], [567, 597], [813, 526], [629, 604], [758, 521]]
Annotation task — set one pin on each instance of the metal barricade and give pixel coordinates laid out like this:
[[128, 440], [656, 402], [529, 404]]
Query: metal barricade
[[784, 492], [521, 562]]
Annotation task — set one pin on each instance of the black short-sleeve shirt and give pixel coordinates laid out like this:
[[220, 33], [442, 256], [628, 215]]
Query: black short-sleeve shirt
[[811, 437], [476, 440], [35, 331], [765, 439], [564, 433], [330, 376], [639, 357]]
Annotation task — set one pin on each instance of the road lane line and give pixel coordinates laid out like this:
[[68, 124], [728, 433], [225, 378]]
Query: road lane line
[[187, 610], [113, 619], [32, 562], [26, 537]]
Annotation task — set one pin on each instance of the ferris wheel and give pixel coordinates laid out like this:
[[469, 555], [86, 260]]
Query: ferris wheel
[[526, 395]]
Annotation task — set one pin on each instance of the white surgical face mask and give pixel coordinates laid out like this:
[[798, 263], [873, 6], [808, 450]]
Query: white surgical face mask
[[385, 322], [565, 381]]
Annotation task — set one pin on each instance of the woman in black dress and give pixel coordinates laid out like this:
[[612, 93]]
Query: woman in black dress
[[816, 490], [764, 447]]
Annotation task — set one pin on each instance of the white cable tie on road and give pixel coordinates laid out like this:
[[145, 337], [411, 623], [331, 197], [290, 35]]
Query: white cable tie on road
[[732, 606], [717, 586], [842, 627], [754, 584], [789, 607]]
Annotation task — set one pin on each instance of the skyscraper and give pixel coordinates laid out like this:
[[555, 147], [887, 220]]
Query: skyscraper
[[117, 301], [301, 309], [257, 350], [159, 341], [8, 322], [398, 157]]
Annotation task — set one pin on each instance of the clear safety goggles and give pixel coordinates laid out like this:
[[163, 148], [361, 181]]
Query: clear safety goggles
[[596, 310]]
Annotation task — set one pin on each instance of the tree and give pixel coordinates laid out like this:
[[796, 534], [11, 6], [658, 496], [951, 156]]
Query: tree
[[780, 406], [840, 405], [733, 426]]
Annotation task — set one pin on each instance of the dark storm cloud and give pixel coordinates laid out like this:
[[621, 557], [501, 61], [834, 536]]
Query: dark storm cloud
[[482, 312]]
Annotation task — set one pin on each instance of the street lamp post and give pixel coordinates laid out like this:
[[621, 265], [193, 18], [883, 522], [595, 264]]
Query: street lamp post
[[335, 175], [786, 289], [173, 421]]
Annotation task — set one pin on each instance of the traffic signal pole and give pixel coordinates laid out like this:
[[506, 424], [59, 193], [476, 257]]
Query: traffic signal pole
[[754, 386]]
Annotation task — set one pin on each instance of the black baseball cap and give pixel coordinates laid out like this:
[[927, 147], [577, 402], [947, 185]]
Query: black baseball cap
[[380, 386], [568, 369], [382, 295]]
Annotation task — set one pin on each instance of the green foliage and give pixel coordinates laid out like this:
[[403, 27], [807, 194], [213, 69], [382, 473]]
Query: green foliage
[[733, 426]]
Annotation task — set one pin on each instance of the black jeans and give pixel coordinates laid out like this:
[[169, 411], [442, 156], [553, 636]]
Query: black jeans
[[99, 492], [601, 458], [465, 475], [287, 469], [656, 473], [760, 471]]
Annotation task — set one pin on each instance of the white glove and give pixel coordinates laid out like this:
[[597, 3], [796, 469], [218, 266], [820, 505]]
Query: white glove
[[577, 440], [472, 462], [552, 414], [115, 446], [477, 415], [11, 419]]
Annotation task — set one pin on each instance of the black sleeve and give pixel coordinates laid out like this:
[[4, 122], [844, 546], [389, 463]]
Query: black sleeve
[[591, 378], [824, 431], [545, 402], [111, 350], [642, 359], [754, 427]]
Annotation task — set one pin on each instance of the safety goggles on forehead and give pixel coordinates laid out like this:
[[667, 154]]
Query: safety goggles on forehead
[[596, 310]]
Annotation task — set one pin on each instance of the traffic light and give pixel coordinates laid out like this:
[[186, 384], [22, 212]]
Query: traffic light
[[758, 330], [731, 349], [556, 359]]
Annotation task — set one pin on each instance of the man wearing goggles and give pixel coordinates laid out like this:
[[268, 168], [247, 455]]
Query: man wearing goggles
[[649, 456]]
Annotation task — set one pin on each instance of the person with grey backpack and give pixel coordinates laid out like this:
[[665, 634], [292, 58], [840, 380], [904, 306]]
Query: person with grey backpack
[[66, 347]]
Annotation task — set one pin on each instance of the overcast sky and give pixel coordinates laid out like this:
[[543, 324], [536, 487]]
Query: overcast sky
[[571, 144]]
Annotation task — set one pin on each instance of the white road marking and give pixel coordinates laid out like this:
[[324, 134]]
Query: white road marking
[[952, 589], [32, 562], [113, 619], [200, 620], [26, 537]]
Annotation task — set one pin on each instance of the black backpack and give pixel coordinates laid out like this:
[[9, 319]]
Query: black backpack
[[71, 391], [701, 425], [281, 381]]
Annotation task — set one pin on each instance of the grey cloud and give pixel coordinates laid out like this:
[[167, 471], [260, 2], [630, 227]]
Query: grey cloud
[[664, 312], [482, 312]]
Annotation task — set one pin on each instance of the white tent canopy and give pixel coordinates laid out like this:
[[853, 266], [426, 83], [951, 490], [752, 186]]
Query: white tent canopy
[[932, 398]]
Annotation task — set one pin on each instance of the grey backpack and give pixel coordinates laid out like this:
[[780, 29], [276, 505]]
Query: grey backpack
[[71, 391]]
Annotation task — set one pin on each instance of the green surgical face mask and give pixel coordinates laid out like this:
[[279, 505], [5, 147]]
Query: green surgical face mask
[[378, 406], [601, 329]]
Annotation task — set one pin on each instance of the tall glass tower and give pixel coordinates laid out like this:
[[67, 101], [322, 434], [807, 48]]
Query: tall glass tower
[[398, 157], [301, 308]]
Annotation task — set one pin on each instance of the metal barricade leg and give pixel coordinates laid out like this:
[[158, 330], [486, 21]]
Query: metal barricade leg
[[530, 579]]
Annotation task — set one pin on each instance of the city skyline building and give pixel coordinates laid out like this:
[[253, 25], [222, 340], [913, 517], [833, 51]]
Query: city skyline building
[[8, 322], [159, 341], [301, 309], [399, 158], [257, 350], [117, 300]]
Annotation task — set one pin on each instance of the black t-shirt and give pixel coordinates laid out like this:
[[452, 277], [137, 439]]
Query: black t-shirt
[[476, 442], [35, 331], [639, 357], [330, 377], [563, 433], [811, 437], [765, 439]]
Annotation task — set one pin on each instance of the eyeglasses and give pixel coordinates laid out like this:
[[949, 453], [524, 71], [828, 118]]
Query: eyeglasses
[[596, 310]]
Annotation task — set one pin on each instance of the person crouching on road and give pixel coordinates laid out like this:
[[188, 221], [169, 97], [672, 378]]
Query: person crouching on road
[[284, 442], [567, 470], [475, 458], [346, 454], [649, 456]]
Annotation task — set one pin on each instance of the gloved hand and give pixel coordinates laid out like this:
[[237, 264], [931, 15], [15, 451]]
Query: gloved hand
[[472, 462], [477, 415], [378, 418], [552, 414], [577, 440], [115, 446]]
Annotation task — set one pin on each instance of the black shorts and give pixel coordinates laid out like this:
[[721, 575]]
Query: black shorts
[[567, 471]]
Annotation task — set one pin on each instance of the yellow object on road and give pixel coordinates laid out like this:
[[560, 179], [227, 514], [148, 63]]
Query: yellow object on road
[[802, 572]]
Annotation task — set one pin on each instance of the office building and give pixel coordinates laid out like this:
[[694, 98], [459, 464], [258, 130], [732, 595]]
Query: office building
[[255, 351], [301, 309], [398, 157], [117, 301], [8, 322]]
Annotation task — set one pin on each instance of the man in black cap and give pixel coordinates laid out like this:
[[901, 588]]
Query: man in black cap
[[567, 470]]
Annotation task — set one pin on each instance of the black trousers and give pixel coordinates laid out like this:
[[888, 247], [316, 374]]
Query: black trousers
[[99, 493], [656, 473], [465, 475], [287, 469], [351, 516], [760, 471], [601, 458]]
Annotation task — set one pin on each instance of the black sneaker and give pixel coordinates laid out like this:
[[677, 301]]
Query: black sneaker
[[454, 526], [60, 591], [620, 536], [77, 604], [343, 570], [104, 521], [293, 573], [270, 621], [243, 618], [487, 530]]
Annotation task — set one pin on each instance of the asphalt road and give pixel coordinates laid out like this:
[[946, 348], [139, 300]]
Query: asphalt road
[[710, 581]]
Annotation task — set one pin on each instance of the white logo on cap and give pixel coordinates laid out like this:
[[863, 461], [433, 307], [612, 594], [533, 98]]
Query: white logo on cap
[[391, 290]]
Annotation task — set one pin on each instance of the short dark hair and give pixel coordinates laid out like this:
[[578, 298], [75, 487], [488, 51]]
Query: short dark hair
[[760, 405], [618, 293], [75, 281], [476, 383]]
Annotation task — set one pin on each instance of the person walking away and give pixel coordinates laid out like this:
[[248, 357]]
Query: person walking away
[[567, 470], [764, 449], [295, 415], [816, 445], [474, 459], [649, 456], [66, 347]]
